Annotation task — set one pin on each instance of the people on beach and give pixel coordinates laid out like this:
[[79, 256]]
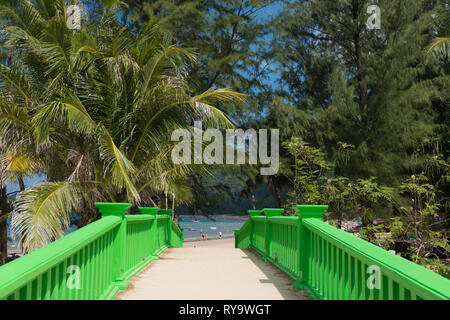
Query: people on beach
[[220, 235], [206, 236]]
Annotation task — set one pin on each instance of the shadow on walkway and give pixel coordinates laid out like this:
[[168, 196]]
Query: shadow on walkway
[[281, 281]]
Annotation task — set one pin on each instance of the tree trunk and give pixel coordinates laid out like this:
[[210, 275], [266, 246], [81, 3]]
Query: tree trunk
[[21, 183], [3, 239], [362, 83], [4, 209], [276, 192], [88, 213], [340, 218]]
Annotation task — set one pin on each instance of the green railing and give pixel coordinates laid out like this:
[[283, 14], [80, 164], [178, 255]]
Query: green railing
[[94, 262], [258, 232], [176, 236], [243, 241], [332, 264]]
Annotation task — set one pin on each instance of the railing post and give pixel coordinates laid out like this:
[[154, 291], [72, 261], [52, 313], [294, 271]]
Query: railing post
[[169, 224], [169, 227], [252, 228], [268, 233], [306, 212], [252, 213], [119, 243], [153, 228], [267, 238], [169, 232]]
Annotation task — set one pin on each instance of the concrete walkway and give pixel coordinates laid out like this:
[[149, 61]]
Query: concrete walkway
[[211, 270]]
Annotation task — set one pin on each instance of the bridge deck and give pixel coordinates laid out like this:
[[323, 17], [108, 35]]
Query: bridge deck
[[211, 270]]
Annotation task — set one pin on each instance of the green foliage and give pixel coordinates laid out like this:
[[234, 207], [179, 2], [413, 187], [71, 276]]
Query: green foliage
[[375, 102], [312, 184], [417, 231], [96, 109], [229, 36], [424, 225], [93, 109], [308, 170], [374, 89]]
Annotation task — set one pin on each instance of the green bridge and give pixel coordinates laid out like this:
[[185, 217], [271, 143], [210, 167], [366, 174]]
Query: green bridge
[[112, 258]]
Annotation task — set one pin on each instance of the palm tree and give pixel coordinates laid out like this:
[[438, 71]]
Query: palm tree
[[94, 110], [4, 210], [438, 42]]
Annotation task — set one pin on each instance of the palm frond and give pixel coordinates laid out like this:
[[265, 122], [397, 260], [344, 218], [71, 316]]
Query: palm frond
[[23, 14], [69, 111], [19, 164], [437, 42], [109, 3], [42, 212], [14, 81], [200, 106], [97, 104], [117, 165], [13, 119]]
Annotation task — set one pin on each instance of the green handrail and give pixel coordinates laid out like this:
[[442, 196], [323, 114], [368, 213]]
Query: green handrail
[[244, 236], [166, 211], [254, 213], [332, 264], [176, 240], [273, 212], [94, 262], [258, 226]]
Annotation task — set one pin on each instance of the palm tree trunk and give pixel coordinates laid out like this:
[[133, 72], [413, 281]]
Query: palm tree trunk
[[4, 209], [276, 192], [21, 183], [88, 213], [3, 239]]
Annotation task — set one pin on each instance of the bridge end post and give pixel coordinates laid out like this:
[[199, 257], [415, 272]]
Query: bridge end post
[[153, 230], [251, 232], [267, 239], [269, 212], [304, 238], [119, 242]]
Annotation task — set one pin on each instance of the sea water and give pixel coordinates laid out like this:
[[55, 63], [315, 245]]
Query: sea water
[[192, 226]]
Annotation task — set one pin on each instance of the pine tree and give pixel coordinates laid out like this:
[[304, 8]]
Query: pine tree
[[230, 37], [365, 87]]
